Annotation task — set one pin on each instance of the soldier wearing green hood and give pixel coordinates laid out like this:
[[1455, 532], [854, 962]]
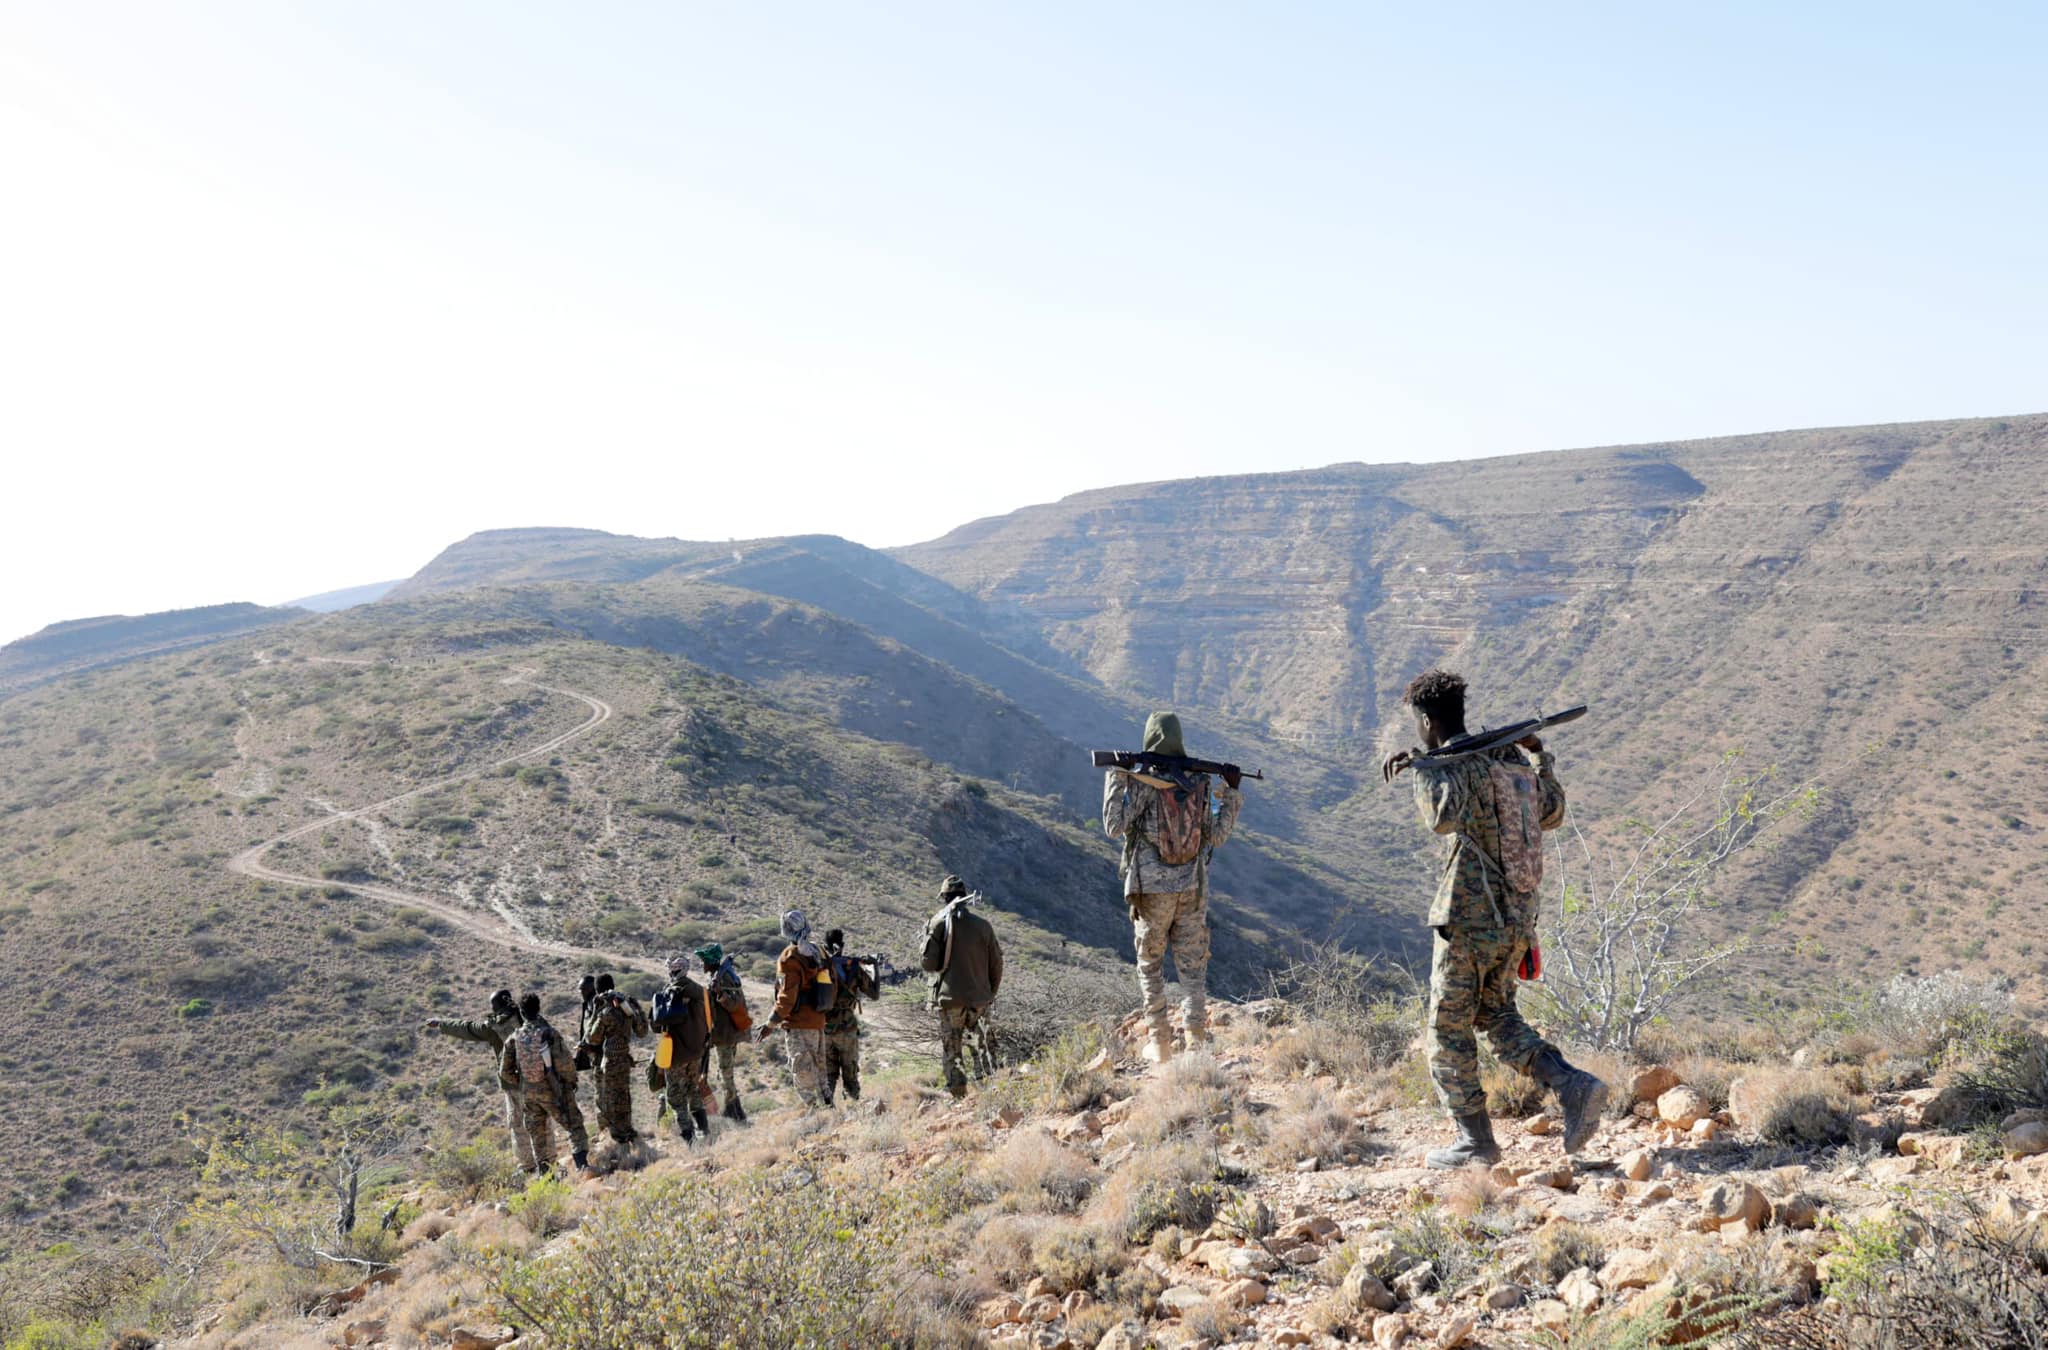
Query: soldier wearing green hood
[[1169, 827], [730, 1021]]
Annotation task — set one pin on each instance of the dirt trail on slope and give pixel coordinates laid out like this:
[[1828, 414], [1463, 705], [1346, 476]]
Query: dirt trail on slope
[[501, 929]]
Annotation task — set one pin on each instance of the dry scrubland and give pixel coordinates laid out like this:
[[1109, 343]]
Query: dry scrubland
[[1847, 617], [1874, 1180], [167, 997]]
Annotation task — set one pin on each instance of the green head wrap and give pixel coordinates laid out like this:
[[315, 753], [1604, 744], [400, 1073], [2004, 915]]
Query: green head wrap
[[1162, 734], [711, 954]]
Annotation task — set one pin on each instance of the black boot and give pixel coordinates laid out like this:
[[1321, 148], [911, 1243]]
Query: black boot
[[1579, 1094], [1474, 1144], [733, 1109], [581, 1159], [703, 1121], [684, 1129]]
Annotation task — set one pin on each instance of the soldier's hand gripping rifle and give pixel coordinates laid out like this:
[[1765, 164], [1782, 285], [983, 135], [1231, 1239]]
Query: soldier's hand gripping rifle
[[1478, 742], [886, 974], [1168, 770]]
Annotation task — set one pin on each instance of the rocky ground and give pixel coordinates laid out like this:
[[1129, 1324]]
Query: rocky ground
[[1672, 1206]]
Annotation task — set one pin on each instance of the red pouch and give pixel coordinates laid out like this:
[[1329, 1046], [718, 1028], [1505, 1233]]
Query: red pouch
[[1532, 962]]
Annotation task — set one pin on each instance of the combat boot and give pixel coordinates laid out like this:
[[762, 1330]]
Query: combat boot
[[1580, 1095], [733, 1110], [1159, 1044], [1474, 1144], [581, 1159], [703, 1121]]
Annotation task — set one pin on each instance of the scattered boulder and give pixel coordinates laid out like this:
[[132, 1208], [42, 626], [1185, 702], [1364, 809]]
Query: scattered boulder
[[1941, 1150], [1458, 1331], [1579, 1290], [1416, 1281], [1681, 1106], [1888, 1171], [1502, 1297], [1558, 1178], [1389, 1330], [1182, 1299], [1001, 1311], [1633, 1268], [1638, 1165], [1728, 1203], [369, 1331], [1651, 1083], [1125, 1335], [1242, 1293], [1798, 1212], [1362, 1290], [2026, 1139], [463, 1338], [1540, 1124], [1550, 1314]]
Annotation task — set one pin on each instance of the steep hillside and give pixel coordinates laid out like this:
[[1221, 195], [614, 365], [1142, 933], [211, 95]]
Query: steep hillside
[[165, 990], [1861, 605], [83, 644]]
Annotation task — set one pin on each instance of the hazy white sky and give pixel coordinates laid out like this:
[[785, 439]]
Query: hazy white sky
[[293, 295]]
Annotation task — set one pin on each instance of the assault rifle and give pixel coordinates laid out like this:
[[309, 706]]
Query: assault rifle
[[1479, 742], [1175, 767], [886, 974]]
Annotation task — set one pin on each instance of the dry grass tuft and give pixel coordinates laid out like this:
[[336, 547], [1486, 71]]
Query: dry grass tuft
[[1034, 1173], [1561, 1248], [1312, 1124]]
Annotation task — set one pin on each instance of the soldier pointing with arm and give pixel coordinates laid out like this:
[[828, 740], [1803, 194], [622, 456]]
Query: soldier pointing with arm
[[1492, 806], [494, 1031]]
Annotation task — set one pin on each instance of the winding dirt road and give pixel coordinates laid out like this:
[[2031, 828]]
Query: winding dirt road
[[503, 929]]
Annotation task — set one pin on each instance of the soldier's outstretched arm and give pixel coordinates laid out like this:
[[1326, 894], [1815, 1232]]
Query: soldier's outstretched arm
[[1439, 796]]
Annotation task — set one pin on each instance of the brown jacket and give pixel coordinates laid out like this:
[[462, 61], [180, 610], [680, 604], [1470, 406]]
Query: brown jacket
[[963, 957], [792, 974]]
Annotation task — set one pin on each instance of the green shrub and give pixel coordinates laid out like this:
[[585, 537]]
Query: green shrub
[[747, 1259], [196, 1007], [543, 1205], [478, 1170]]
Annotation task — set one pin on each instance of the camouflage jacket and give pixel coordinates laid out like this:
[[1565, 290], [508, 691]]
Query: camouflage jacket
[[559, 1053], [727, 997], [859, 984], [1456, 800], [610, 1022], [1130, 812], [492, 1031]]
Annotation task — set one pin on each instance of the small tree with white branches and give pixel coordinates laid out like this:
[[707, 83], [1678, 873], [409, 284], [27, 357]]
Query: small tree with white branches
[[1626, 942]]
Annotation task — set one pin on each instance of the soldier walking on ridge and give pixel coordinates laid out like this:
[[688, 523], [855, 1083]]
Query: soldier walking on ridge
[[610, 1022], [966, 965], [538, 1062], [683, 1019], [494, 1031], [801, 977], [1168, 830], [730, 1022], [1493, 807], [842, 1024]]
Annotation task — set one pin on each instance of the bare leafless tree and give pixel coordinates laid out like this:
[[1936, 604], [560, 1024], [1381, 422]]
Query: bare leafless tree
[[1631, 933]]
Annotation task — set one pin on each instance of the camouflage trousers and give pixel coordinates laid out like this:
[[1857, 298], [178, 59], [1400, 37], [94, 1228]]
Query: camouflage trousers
[[806, 1049], [615, 1098], [544, 1109], [727, 1082], [683, 1086], [957, 1026], [1178, 920], [1472, 976], [515, 1121], [842, 1063]]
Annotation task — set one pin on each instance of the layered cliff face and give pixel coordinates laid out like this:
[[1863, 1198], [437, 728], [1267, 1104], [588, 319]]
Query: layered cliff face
[[1860, 606]]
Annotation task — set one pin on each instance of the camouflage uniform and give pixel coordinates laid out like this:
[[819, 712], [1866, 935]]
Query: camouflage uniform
[[610, 1021], [545, 1104], [1483, 928], [958, 1027], [494, 1031], [842, 1030], [1168, 902]]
